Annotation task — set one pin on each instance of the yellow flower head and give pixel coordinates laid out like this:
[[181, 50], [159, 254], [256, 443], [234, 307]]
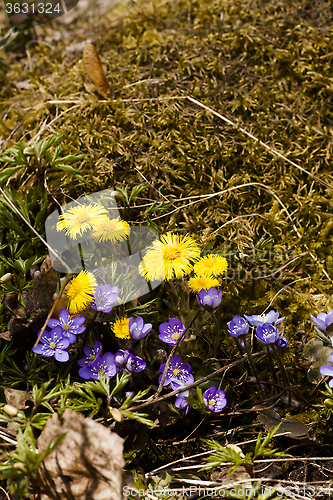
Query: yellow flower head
[[82, 218], [112, 230], [120, 328], [211, 265], [200, 282], [171, 257], [79, 291]]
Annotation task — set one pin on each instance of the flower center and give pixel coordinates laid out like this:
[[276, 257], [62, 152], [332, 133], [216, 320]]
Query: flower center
[[101, 371], [65, 327], [175, 336], [176, 372], [83, 217], [52, 345], [171, 253], [92, 357], [211, 402], [100, 299]]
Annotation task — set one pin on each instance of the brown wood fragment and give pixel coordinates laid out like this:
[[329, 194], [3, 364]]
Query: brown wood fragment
[[94, 69]]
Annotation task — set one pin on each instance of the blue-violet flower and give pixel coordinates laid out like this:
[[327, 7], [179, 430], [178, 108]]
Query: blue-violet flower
[[171, 332], [135, 364], [104, 366], [138, 329], [70, 326], [238, 326], [53, 344], [258, 320], [327, 370], [212, 297], [214, 399], [267, 333], [178, 373], [104, 297], [282, 343], [91, 355], [323, 321]]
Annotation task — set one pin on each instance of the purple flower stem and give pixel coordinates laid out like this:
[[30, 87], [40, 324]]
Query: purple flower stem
[[254, 369], [217, 336], [272, 367], [85, 335], [173, 350], [283, 371]]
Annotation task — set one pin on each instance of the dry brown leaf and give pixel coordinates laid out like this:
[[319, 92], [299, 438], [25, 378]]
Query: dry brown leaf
[[17, 398], [94, 69], [88, 463]]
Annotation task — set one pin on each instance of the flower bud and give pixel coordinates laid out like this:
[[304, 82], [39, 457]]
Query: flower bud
[[6, 277], [10, 410], [116, 414]]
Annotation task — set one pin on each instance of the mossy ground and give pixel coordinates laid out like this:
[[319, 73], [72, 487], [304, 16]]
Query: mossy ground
[[267, 66]]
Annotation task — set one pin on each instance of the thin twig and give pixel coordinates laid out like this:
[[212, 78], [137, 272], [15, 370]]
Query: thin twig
[[197, 382]]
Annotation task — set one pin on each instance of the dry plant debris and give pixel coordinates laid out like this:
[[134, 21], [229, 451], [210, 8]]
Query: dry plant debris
[[88, 463]]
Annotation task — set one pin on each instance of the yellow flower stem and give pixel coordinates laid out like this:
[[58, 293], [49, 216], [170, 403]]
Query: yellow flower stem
[[97, 254], [66, 280]]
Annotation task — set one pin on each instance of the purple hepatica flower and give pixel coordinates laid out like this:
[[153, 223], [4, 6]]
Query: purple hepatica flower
[[178, 373], [138, 329], [267, 333], [104, 297], [181, 402], [121, 357], [91, 355], [258, 320], [104, 366], [327, 370], [53, 343], [70, 326], [135, 364], [215, 399], [282, 343], [171, 332], [323, 321], [211, 297], [238, 326]]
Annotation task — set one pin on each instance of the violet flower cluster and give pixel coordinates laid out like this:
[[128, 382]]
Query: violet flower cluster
[[64, 330], [266, 331], [94, 364]]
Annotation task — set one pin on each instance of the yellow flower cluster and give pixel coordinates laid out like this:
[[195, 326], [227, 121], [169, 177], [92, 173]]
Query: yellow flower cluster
[[206, 271], [175, 256], [92, 217]]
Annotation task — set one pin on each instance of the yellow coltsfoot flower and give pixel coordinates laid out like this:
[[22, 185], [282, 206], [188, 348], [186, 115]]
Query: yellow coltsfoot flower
[[80, 219], [79, 291], [201, 283], [120, 328], [170, 257], [210, 265]]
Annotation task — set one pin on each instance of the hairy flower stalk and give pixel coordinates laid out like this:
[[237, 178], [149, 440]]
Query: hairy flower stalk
[[272, 367], [284, 373], [253, 367]]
